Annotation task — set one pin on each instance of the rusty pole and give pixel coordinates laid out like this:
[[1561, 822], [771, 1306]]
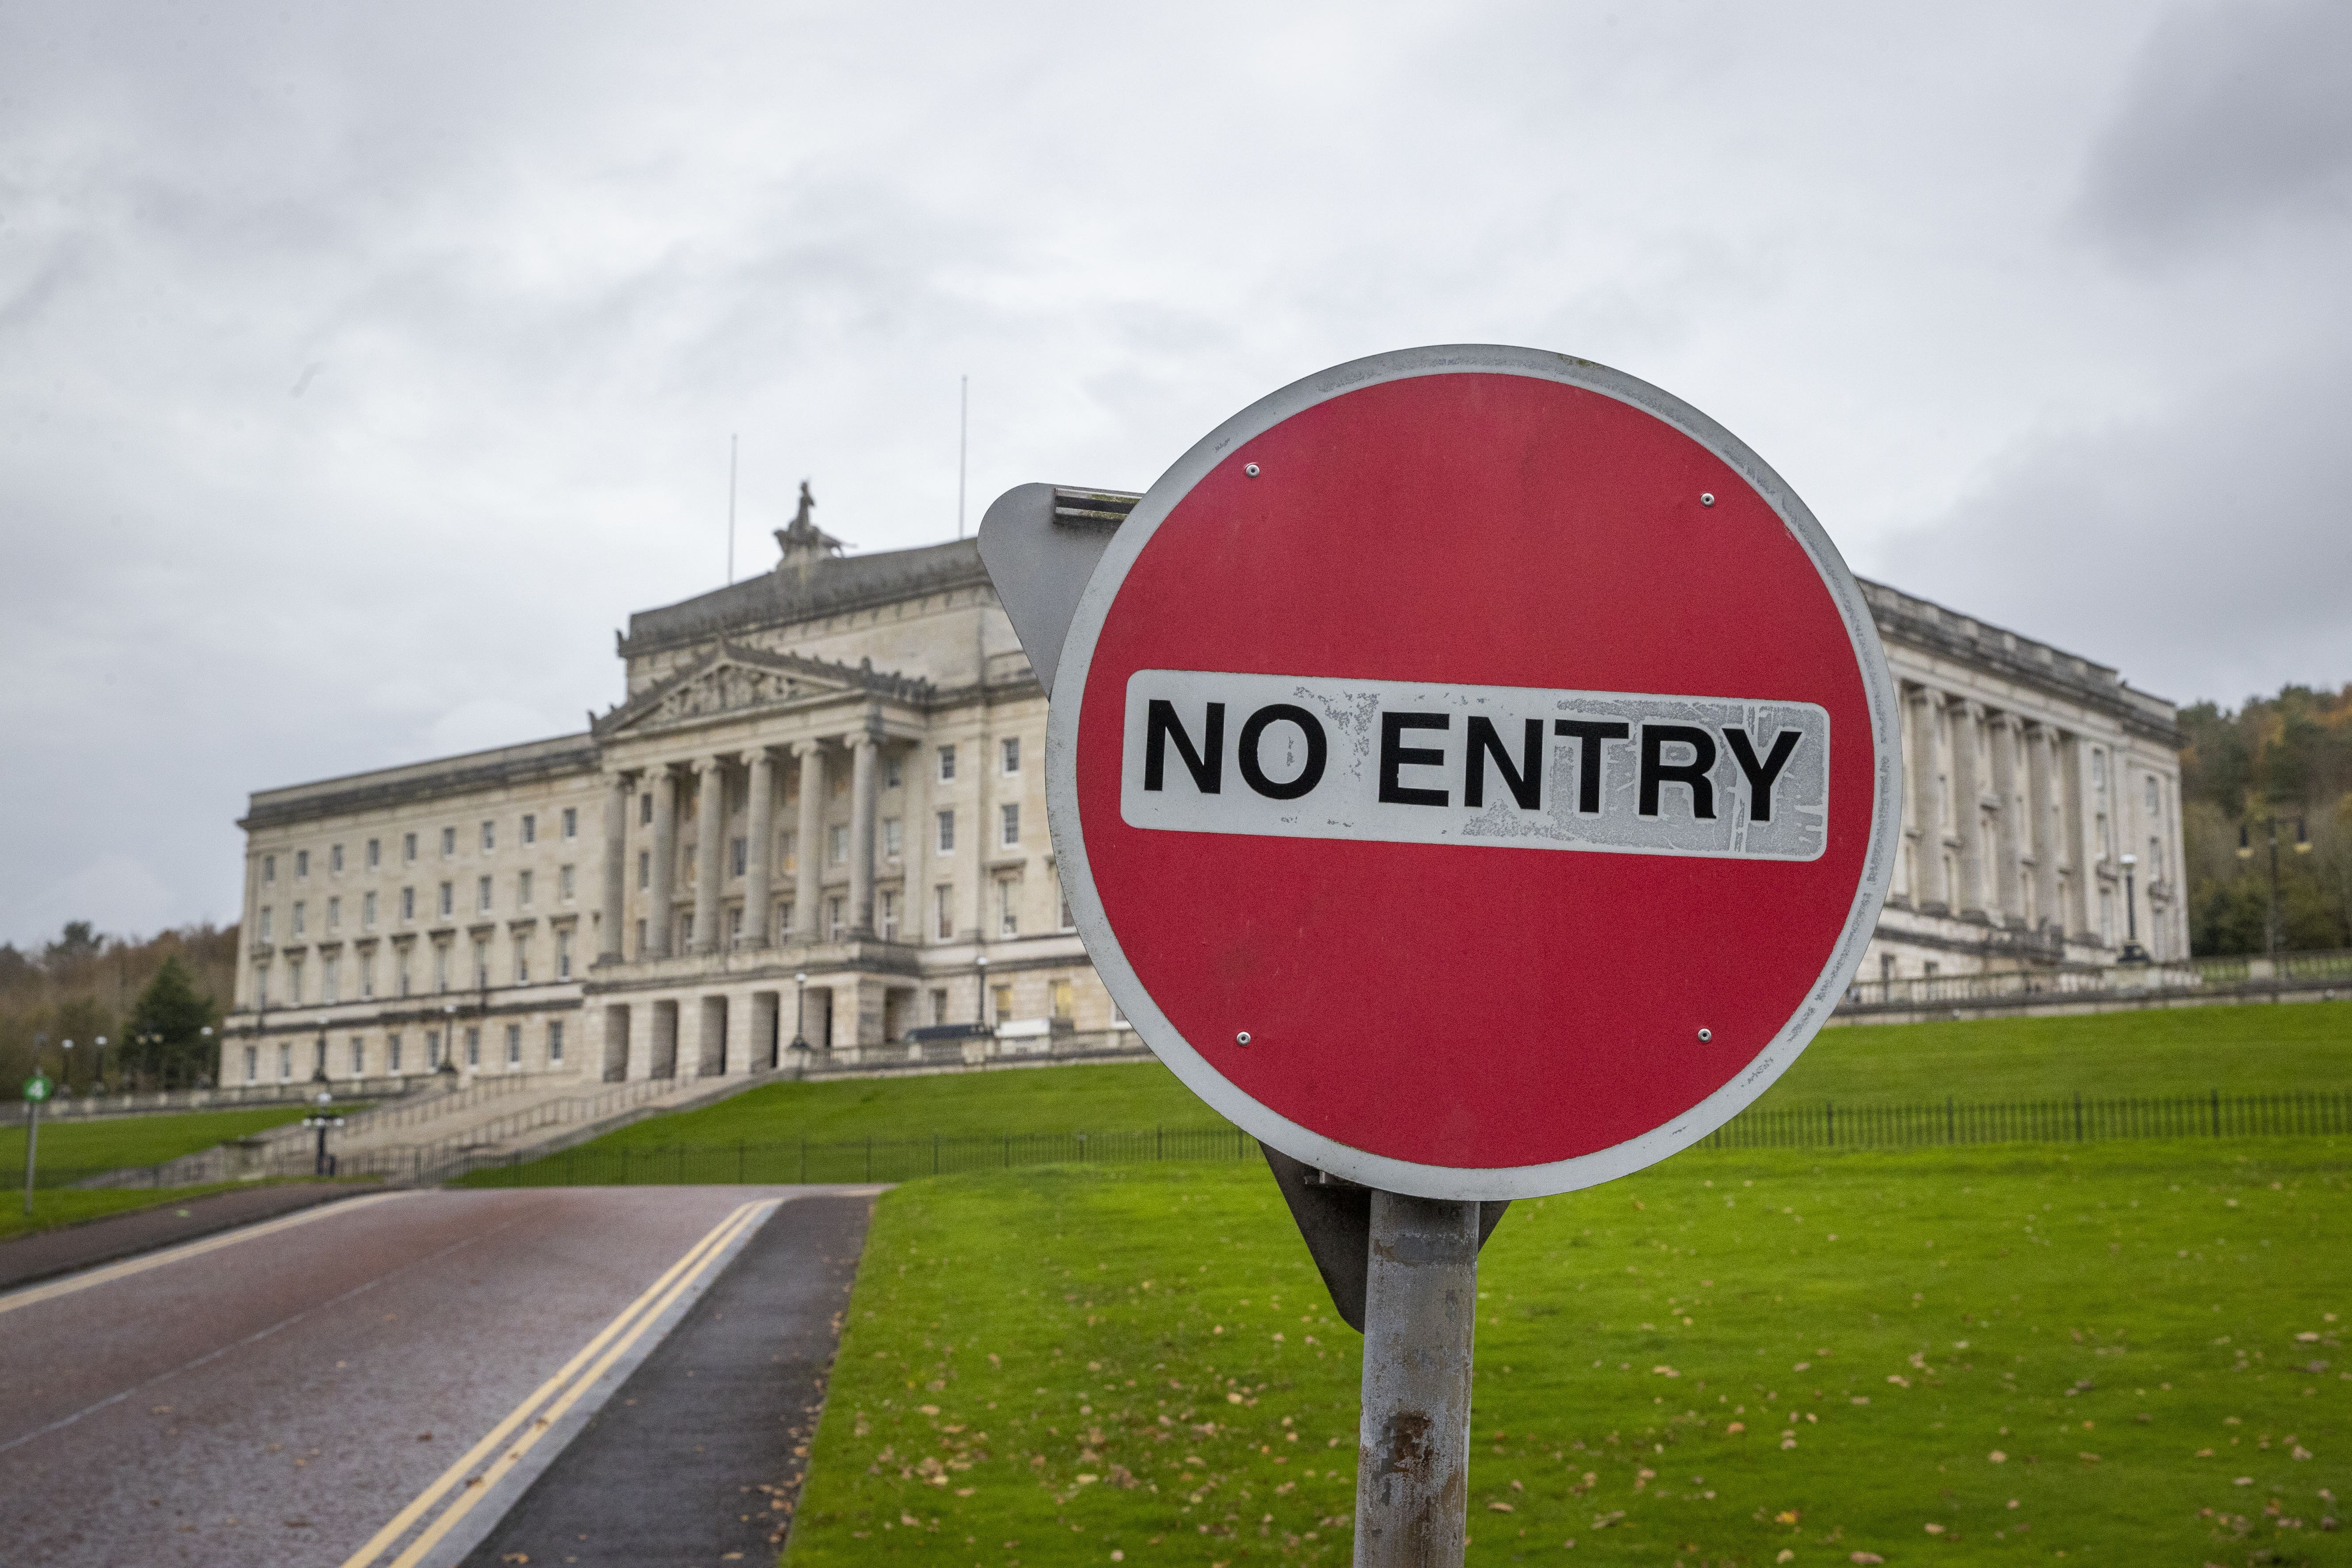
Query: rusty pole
[[1420, 1310]]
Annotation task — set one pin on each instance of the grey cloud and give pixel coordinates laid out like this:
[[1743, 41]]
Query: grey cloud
[[2202, 551], [2237, 117]]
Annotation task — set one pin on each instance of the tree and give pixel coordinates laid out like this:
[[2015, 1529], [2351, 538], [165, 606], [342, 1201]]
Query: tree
[[167, 1025], [80, 941]]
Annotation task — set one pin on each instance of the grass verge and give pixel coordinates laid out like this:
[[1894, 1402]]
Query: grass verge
[[71, 1151], [2126, 1353], [55, 1206]]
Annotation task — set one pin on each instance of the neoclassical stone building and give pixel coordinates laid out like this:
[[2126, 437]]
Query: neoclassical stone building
[[818, 813]]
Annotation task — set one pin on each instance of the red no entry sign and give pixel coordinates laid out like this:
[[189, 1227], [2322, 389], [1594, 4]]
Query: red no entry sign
[[1474, 772]]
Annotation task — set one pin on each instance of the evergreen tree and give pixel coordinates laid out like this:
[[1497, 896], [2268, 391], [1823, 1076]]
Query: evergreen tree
[[166, 1034]]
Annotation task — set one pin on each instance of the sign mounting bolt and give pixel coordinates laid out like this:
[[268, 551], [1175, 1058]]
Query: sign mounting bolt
[[1706, 497], [1705, 1036], [1250, 470], [1242, 1038]]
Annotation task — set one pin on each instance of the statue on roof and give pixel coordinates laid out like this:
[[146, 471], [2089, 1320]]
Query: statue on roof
[[802, 542]]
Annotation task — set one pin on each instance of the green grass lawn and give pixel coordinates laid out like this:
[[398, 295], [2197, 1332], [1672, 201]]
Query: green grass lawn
[[2182, 1051], [2126, 1353], [72, 1150], [54, 1207], [2304, 1045]]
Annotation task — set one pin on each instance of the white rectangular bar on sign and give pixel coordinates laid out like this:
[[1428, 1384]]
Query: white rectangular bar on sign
[[1506, 766]]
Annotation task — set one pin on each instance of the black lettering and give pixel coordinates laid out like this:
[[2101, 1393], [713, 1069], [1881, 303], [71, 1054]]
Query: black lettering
[[1318, 749], [1589, 734], [1524, 781], [1760, 774], [1207, 765], [1656, 770], [1394, 755]]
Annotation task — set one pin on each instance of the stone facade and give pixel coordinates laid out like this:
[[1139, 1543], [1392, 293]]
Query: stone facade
[[819, 813]]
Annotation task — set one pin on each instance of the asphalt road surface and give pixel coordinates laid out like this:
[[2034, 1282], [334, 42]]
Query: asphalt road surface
[[403, 1381]]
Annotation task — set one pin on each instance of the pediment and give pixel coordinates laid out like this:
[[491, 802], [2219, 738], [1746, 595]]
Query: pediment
[[730, 679]]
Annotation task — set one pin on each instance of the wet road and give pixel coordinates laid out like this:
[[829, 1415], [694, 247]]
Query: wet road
[[379, 1380]]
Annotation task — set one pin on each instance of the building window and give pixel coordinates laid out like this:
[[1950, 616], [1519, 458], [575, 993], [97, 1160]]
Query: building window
[[1065, 999], [403, 971], [555, 1042], [641, 937], [947, 833], [784, 913], [514, 1044], [788, 851], [837, 844], [1011, 754], [523, 960], [529, 828], [490, 836], [522, 889], [481, 964], [407, 848], [391, 1053], [300, 907], [482, 895], [2107, 915], [367, 910], [943, 911], [473, 1044], [374, 853], [367, 973], [890, 916], [685, 931], [294, 981], [335, 858], [565, 884], [331, 983], [2102, 854], [261, 985], [739, 856], [1012, 824], [335, 913], [448, 842], [301, 864], [1062, 897], [407, 904], [570, 830], [359, 1056], [285, 1061], [431, 1050], [1002, 997], [894, 838], [2153, 807], [947, 764], [644, 869], [1008, 906], [268, 870], [938, 1006], [564, 955], [440, 966], [645, 810], [833, 915], [2098, 769], [266, 913], [252, 1063], [735, 925], [893, 771]]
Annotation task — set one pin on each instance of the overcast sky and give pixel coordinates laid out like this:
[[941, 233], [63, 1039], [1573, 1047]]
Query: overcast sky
[[361, 367]]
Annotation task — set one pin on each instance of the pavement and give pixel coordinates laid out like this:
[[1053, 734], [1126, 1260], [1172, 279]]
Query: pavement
[[27, 1258], [397, 1378]]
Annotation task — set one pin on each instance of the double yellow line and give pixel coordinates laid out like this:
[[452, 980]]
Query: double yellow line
[[473, 1477]]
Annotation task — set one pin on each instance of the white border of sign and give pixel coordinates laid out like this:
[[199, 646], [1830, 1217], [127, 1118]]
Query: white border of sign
[[1339, 1158]]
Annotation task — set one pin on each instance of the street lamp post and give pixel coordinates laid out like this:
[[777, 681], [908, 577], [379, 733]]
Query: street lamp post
[[65, 1065], [318, 1069], [325, 1163], [2246, 852], [799, 1011], [97, 1066], [2133, 953], [206, 1035]]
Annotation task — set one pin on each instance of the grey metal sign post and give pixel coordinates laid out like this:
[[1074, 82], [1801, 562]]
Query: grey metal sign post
[[36, 1089]]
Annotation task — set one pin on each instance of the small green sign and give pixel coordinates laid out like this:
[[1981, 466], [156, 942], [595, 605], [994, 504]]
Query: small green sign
[[37, 1088]]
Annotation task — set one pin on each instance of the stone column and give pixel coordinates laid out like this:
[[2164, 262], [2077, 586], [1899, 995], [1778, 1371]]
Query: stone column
[[610, 945], [2074, 830], [2009, 902], [760, 827], [709, 837], [2042, 820], [864, 782], [1927, 798], [808, 884], [1968, 802], [659, 914]]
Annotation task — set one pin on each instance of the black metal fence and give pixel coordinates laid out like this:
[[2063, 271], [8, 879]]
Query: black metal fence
[[1825, 1125]]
